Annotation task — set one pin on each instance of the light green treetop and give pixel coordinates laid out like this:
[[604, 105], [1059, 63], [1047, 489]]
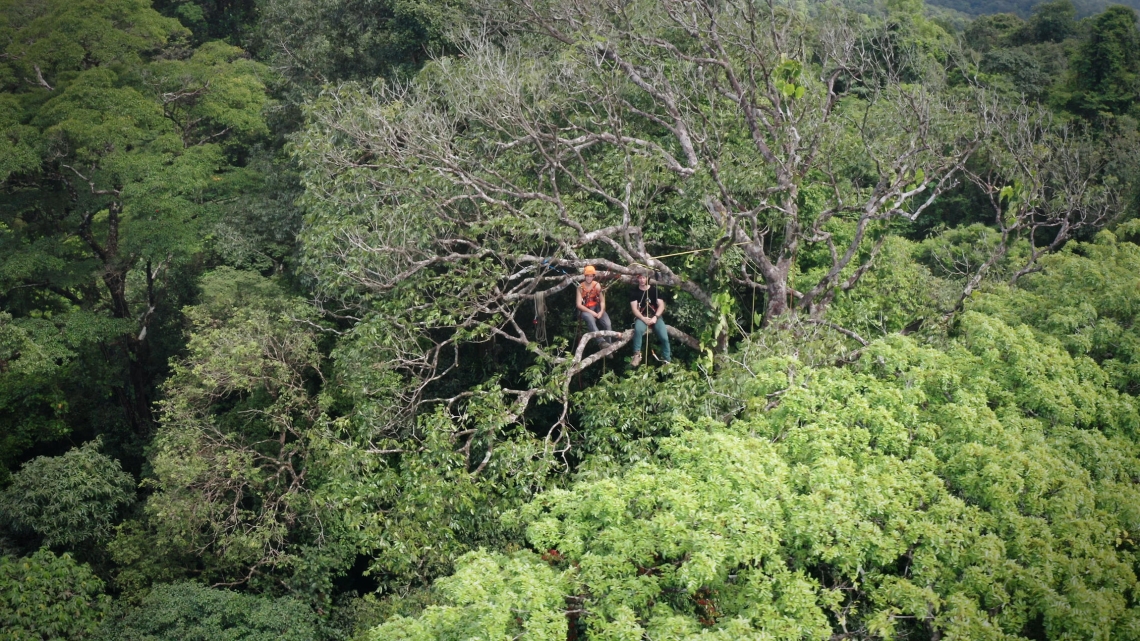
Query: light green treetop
[[977, 490]]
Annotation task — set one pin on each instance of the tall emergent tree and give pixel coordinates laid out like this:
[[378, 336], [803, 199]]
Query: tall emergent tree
[[980, 489], [122, 148], [606, 133]]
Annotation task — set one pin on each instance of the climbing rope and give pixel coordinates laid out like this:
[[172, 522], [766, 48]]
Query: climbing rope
[[696, 251], [752, 318], [540, 317], [577, 335], [548, 263]]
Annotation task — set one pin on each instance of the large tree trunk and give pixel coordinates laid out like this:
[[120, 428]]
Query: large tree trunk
[[137, 348], [777, 304], [776, 286]]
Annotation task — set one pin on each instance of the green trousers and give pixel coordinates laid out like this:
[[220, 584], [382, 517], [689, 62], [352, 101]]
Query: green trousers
[[662, 337]]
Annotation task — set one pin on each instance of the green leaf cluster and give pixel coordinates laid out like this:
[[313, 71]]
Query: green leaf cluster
[[335, 40], [193, 611], [236, 439], [127, 147], [70, 500], [491, 596], [1085, 297], [37, 358], [44, 596]]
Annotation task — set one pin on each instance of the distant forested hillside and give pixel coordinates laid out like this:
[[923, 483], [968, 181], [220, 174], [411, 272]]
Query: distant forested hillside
[[1025, 7]]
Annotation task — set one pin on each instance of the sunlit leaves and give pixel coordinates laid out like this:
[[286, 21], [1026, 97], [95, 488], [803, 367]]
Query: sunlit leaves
[[491, 596], [981, 488]]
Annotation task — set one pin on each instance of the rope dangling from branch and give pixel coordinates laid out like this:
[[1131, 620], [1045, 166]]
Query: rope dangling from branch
[[540, 317]]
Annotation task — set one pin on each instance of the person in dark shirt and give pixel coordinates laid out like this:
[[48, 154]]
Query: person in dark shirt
[[648, 311]]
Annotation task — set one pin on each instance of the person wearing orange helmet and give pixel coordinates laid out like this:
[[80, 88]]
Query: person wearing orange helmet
[[590, 300]]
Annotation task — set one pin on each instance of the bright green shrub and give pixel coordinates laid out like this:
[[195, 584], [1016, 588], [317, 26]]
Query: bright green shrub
[[490, 596], [45, 596], [1088, 297]]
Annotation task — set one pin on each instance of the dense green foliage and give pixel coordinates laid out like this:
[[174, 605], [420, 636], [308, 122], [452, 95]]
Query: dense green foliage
[[68, 500], [1106, 69], [982, 487], [193, 611], [44, 596], [319, 42], [287, 348], [123, 157], [52, 369]]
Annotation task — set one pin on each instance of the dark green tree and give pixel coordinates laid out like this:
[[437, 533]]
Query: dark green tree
[[51, 368], [229, 20], [1053, 21], [1106, 66], [317, 42], [994, 31], [127, 144], [976, 488], [194, 611], [235, 445]]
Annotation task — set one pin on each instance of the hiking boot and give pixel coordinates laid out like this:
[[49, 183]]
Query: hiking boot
[[636, 360]]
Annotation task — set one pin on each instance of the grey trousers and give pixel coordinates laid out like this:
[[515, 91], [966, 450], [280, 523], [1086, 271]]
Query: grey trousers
[[596, 324]]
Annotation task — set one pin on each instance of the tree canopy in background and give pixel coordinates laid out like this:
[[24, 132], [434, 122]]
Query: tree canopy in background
[[287, 347], [315, 43], [1025, 8], [193, 611]]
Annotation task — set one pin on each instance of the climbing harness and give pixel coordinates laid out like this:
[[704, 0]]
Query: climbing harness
[[645, 351], [592, 296]]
